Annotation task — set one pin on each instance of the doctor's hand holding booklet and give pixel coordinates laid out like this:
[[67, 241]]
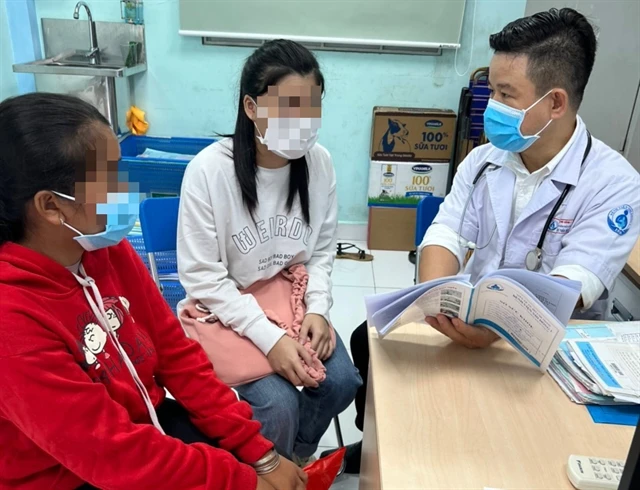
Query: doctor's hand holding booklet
[[527, 309], [470, 336]]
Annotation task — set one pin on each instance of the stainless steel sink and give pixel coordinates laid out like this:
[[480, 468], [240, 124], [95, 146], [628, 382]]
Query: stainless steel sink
[[79, 64], [86, 58]]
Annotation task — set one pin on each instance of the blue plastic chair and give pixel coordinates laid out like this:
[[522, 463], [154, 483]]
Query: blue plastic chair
[[159, 222], [426, 213]]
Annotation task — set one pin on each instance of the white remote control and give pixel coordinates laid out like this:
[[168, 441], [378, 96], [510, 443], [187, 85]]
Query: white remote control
[[588, 473]]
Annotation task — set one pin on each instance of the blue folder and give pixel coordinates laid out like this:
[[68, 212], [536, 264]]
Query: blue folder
[[615, 414]]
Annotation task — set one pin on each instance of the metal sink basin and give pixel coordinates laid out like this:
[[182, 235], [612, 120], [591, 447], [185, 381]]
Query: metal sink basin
[[80, 58], [77, 63]]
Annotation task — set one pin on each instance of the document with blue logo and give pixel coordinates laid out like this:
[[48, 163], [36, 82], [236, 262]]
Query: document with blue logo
[[614, 365], [527, 309]]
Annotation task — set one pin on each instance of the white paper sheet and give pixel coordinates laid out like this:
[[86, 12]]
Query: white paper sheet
[[450, 299], [558, 295], [384, 309], [518, 317], [614, 365]]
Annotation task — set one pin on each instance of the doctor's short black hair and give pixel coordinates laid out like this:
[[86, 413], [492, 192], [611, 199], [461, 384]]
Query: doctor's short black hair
[[560, 45]]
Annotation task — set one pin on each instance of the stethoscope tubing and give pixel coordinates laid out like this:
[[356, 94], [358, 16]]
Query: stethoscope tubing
[[545, 229]]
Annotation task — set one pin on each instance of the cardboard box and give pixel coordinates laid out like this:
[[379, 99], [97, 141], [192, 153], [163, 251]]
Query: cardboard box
[[406, 183], [392, 229], [405, 134]]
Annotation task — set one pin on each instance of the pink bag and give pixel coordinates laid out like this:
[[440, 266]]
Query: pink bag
[[236, 359]]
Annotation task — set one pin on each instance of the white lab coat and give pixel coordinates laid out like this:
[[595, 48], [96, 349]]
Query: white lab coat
[[584, 231]]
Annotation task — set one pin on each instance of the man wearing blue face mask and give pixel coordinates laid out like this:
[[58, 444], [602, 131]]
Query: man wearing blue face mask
[[543, 195]]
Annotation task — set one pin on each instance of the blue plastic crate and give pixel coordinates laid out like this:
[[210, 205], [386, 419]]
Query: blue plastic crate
[[480, 98], [158, 175]]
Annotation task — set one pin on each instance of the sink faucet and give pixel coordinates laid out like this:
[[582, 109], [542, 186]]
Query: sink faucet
[[94, 51]]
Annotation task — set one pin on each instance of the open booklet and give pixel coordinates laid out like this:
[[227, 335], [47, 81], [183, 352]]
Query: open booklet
[[527, 309]]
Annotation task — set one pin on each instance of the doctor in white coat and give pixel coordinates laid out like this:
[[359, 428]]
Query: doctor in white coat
[[543, 189], [544, 194]]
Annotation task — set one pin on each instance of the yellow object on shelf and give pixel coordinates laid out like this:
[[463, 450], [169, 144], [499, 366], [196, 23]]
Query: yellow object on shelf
[[136, 121]]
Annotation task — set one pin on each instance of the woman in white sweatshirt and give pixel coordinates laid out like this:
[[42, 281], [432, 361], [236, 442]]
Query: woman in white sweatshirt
[[253, 205]]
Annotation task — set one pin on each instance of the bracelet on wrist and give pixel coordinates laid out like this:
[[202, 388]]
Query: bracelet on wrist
[[267, 463]]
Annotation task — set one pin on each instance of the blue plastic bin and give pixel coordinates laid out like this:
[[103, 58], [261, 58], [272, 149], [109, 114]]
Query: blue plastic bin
[[157, 175]]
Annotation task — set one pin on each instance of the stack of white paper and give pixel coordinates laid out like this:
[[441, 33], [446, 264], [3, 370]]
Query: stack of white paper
[[599, 363]]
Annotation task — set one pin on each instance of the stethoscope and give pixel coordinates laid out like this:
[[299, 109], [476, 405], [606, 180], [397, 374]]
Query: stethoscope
[[533, 260]]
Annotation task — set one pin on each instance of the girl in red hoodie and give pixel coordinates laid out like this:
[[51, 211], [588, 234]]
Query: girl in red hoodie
[[87, 343]]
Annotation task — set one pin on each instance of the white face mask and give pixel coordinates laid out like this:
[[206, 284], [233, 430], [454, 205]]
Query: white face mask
[[289, 137]]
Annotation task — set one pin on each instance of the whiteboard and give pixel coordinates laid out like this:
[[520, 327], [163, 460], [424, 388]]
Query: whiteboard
[[401, 23]]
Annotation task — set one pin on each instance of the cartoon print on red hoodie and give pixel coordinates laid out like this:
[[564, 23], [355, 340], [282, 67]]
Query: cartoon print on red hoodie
[[93, 338], [95, 345], [115, 316]]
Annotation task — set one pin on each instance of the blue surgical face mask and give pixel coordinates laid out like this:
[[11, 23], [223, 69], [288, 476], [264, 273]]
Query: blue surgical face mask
[[121, 210], [503, 126]]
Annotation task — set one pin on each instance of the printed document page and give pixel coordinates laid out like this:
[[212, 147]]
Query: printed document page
[[451, 299], [614, 365], [622, 331], [518, 317], [383, 310], [558, 295]]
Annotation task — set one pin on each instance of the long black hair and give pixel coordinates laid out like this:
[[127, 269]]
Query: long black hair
[[269, 64], [44, 140]]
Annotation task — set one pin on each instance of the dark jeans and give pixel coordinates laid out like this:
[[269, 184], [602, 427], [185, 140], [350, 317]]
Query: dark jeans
[[174, 419], [296, 420], [360, 353]]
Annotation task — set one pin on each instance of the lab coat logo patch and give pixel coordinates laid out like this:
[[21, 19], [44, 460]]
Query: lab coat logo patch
[[619, 219], [560, 226]]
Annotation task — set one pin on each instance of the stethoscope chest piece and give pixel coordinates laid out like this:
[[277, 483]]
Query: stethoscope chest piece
[[533, 260]]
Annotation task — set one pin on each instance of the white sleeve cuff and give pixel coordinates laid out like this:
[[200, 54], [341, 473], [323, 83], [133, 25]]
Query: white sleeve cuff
[[592, 286], [319, 304], [443, 236], [264, 334]]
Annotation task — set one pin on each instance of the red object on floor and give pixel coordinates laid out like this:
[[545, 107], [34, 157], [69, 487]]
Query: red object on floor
[[322, 473]]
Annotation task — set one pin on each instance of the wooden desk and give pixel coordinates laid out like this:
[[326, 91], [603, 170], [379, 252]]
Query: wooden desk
[[440, 416], [632, 269]]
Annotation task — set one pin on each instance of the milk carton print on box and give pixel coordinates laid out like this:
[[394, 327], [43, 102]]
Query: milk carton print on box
[[406, 183], [406, 134], [395, 139]]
